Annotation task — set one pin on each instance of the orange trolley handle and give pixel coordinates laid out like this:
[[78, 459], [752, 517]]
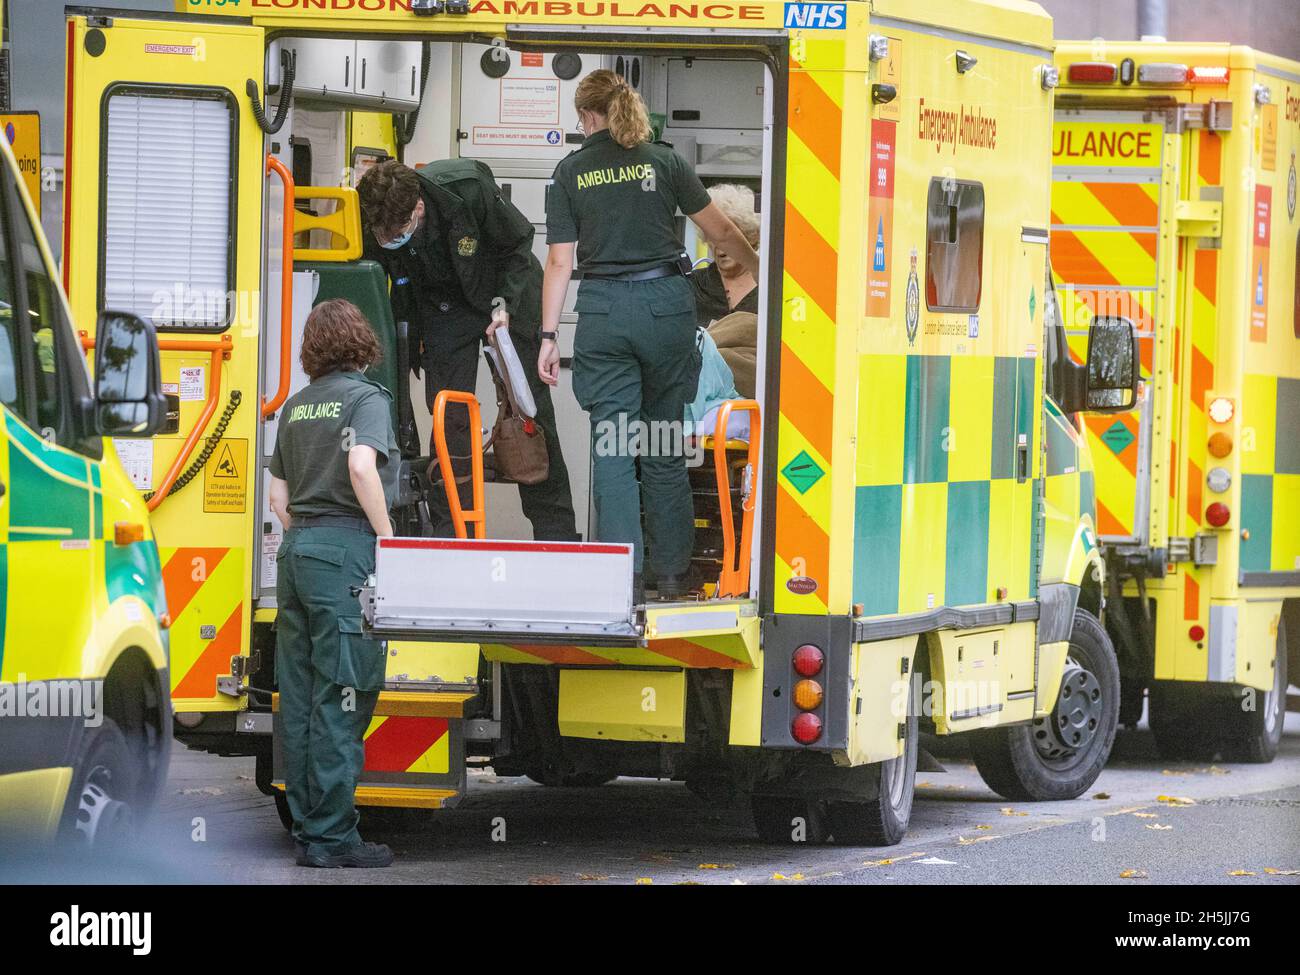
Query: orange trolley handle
[[459, 516], [269, 406], [734, 580]]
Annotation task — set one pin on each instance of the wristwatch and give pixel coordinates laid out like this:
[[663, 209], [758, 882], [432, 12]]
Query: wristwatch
[[552, 335]]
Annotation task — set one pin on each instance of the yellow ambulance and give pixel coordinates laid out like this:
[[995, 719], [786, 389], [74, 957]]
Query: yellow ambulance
[[905, 542], [1174, 204], [85, 717]]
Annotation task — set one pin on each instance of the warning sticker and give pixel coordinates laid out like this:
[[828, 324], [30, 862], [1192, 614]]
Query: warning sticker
[[225, 478], [529, 101], [1259, 264], [191, 384], [22, 130], [515, 135]]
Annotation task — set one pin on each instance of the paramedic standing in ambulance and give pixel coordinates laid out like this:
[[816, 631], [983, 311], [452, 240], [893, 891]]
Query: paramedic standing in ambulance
[[635, 362], [460, 259], [333, 480]]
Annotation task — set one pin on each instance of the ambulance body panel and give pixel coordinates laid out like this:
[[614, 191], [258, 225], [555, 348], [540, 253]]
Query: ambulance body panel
[[83, 639]]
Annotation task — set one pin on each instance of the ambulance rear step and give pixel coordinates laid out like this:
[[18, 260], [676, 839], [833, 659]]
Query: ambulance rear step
[[490, 590]]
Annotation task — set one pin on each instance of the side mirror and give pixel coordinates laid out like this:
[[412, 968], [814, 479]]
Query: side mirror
[[129, 400], [1113, 370]]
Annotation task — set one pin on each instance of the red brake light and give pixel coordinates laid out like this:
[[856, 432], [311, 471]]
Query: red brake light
[[808, 660], [1093, 72], [1208, 75], [1217, 514], [806, 728]]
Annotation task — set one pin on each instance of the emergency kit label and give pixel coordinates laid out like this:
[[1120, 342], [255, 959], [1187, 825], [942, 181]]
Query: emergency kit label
[[225, 478], [880, 216], [136, 457], [1106, 144], [191, 384], [1259, 263], [816, 16]]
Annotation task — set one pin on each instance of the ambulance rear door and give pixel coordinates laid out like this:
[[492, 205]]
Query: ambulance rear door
[[165, 176], [1115, 177]]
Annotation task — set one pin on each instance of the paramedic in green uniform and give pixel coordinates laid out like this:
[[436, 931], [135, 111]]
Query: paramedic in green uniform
[[635, 363], [333, 481]]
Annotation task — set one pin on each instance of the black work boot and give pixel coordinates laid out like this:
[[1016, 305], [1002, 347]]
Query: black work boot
[[362, 855], [670, 588]]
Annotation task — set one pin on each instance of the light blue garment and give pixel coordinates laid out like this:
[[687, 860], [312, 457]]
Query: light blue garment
[[717, 385], [399, 243]]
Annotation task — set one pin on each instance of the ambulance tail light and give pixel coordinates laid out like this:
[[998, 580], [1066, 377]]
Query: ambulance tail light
[[1161, 73], [808, 660], [806, 728], [1208, 75], [1218, 514], [1196, 632], [1092, 73], [808, 695], [1220, 445]]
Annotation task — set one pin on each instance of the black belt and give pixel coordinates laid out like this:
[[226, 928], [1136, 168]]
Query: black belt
[[333, 521], [662, 271]]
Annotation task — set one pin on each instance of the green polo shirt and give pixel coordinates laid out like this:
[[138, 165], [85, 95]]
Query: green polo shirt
[[318, 425], [621, 205]]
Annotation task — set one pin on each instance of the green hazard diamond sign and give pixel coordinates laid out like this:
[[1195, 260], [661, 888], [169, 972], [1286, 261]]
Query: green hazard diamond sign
[[1117, 437], [802, 472]]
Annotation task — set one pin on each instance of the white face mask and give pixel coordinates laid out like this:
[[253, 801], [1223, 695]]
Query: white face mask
[[399, 242]]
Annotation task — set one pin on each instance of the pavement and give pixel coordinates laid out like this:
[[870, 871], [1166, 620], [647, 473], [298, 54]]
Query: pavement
[[1144, 822]]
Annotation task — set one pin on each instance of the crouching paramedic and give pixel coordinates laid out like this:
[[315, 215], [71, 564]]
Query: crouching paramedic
[[333, 481], [460, 260]]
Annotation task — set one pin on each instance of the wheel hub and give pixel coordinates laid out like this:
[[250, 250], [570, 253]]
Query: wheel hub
[[1073, 723], [101, 819]]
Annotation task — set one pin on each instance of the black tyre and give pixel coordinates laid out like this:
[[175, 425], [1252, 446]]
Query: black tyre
[[786, 820], [881, 821], [1251, 725], [1060, 756], [104, 804]]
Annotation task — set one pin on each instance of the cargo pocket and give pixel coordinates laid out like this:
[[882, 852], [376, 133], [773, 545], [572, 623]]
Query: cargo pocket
[[683, 304], [361, 660], [593, 321]]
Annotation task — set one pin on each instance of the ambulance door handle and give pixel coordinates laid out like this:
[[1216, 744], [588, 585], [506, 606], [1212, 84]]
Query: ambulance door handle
[[1022, 462], [347, 72]]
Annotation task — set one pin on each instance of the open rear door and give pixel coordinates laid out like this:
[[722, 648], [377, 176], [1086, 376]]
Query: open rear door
[[165, 174], [1114, 177]]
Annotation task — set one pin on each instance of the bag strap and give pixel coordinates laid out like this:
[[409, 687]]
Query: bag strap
[[503, 381]]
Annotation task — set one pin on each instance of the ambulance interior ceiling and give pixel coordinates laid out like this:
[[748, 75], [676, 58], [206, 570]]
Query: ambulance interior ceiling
[[513, 109]]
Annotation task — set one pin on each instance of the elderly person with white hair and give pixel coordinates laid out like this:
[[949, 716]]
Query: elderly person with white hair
[[725, 286]]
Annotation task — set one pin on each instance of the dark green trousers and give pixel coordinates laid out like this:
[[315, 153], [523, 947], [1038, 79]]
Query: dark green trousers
[[635, 367], [329, 677]]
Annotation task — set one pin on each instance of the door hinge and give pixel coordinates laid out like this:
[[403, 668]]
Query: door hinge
[[1199, 218]]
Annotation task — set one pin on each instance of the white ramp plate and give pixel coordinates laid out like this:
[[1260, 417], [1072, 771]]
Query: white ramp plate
[[495, 588]]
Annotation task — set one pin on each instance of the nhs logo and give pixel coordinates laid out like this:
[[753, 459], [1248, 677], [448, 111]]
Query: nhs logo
[[817, 16]]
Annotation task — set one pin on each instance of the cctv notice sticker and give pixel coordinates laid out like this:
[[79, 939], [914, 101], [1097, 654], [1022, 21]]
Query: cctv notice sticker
[[225, 478]]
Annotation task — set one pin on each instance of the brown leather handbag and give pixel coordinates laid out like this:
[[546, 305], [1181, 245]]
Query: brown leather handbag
[[518, 443]]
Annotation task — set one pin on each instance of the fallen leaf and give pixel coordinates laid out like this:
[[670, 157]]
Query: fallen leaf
[[1131, 874], [708, 866], [592, 876], [1241, 873], [1156, 826], [644, 880], [1008, 811], [983, 827], [1275, 872], [1178, 772], [1142, 815], [890, 861], [1102, 795], [1176, 800], [793, 876]]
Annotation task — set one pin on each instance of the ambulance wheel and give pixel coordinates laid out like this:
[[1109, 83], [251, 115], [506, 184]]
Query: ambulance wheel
[[1250, 726], [1180, 715], [102, 805], [881, 821], [282, 810], [786, 820], [1059, 756]]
